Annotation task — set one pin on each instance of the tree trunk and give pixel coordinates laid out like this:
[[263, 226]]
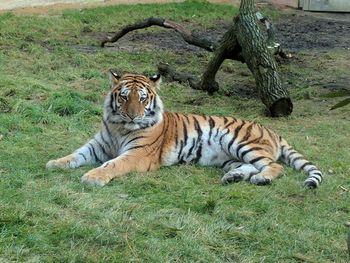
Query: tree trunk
[[260, 62], [228, 49], [245, 42]]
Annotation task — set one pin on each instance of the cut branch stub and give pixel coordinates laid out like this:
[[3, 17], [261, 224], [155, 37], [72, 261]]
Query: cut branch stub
[[261, 63]]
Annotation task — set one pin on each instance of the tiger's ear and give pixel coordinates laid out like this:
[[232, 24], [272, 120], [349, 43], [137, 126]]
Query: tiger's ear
[[114, 77], [156, 80]]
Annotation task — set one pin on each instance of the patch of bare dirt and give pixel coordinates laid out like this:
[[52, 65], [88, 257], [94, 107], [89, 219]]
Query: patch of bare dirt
[[298, 31], [321, 31]]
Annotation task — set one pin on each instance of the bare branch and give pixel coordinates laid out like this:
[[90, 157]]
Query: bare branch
[[161, 22], [170, 73]]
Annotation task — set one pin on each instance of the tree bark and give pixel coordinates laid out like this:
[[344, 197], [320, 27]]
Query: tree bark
[[245, 42], [260, 62]]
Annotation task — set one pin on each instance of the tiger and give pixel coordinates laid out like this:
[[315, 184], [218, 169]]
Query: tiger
[[137, 135]]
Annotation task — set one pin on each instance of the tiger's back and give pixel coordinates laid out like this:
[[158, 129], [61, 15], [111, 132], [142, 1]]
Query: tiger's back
[[211, 140], [137, 135]]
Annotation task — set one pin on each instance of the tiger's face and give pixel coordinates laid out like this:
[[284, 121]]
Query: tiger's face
[[133, 101]]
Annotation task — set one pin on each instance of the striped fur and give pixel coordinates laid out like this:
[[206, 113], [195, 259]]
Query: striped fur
[[137, 135]]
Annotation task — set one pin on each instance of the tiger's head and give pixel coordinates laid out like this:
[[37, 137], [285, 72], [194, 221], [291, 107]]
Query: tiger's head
[[133, 101]]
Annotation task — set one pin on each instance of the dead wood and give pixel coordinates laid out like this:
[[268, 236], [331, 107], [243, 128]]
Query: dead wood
[[161, 22], [170, 74]]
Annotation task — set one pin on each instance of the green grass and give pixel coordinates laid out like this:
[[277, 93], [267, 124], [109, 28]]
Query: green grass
[[51, 93]]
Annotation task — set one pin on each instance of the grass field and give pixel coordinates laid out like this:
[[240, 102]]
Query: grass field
[[53, 78]]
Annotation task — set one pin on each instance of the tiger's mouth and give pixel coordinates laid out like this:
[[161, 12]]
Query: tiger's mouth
[[135, 120]]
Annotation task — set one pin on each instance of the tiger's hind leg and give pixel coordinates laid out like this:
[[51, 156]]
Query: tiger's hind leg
[[238, 171], [268, 170]]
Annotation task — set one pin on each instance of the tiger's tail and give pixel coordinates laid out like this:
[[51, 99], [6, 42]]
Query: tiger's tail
[[297, 161]]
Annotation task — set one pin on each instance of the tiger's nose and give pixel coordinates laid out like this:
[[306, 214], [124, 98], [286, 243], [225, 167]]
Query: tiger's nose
[[131, 117]]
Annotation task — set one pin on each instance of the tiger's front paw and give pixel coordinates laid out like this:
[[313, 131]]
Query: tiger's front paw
[[95, 177], [232, 177], [69, 161], [58, 164]]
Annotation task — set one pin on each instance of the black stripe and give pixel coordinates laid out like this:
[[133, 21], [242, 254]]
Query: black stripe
[[113, 102], [317, 173], [102, 147], [282, 150], [180, 151], [229, 124], [176, 132], [217, 132], [249, 142], [165, 127], [290, 154], [176, 115], [297, 159], [198, 129], [106, 143], [305, 164], [137, 82], [248, 151], [186, 117], [211, 126], [107, 129], [185, 132], [226, 162], [222, 137], [90, 151], [154, 103], [104, 140], [191, 149], [238, 128], [225, 120], [148, 90], [135, 147], [83, 156], [257, 159], [239, 165], [134, 139], [247, 134], [318, 180], [161, 145], [199, 153], [94, 152], [150, 144], [268, 164]]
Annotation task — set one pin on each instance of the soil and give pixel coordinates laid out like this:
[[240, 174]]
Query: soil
[[296, 31], [321, 31]]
